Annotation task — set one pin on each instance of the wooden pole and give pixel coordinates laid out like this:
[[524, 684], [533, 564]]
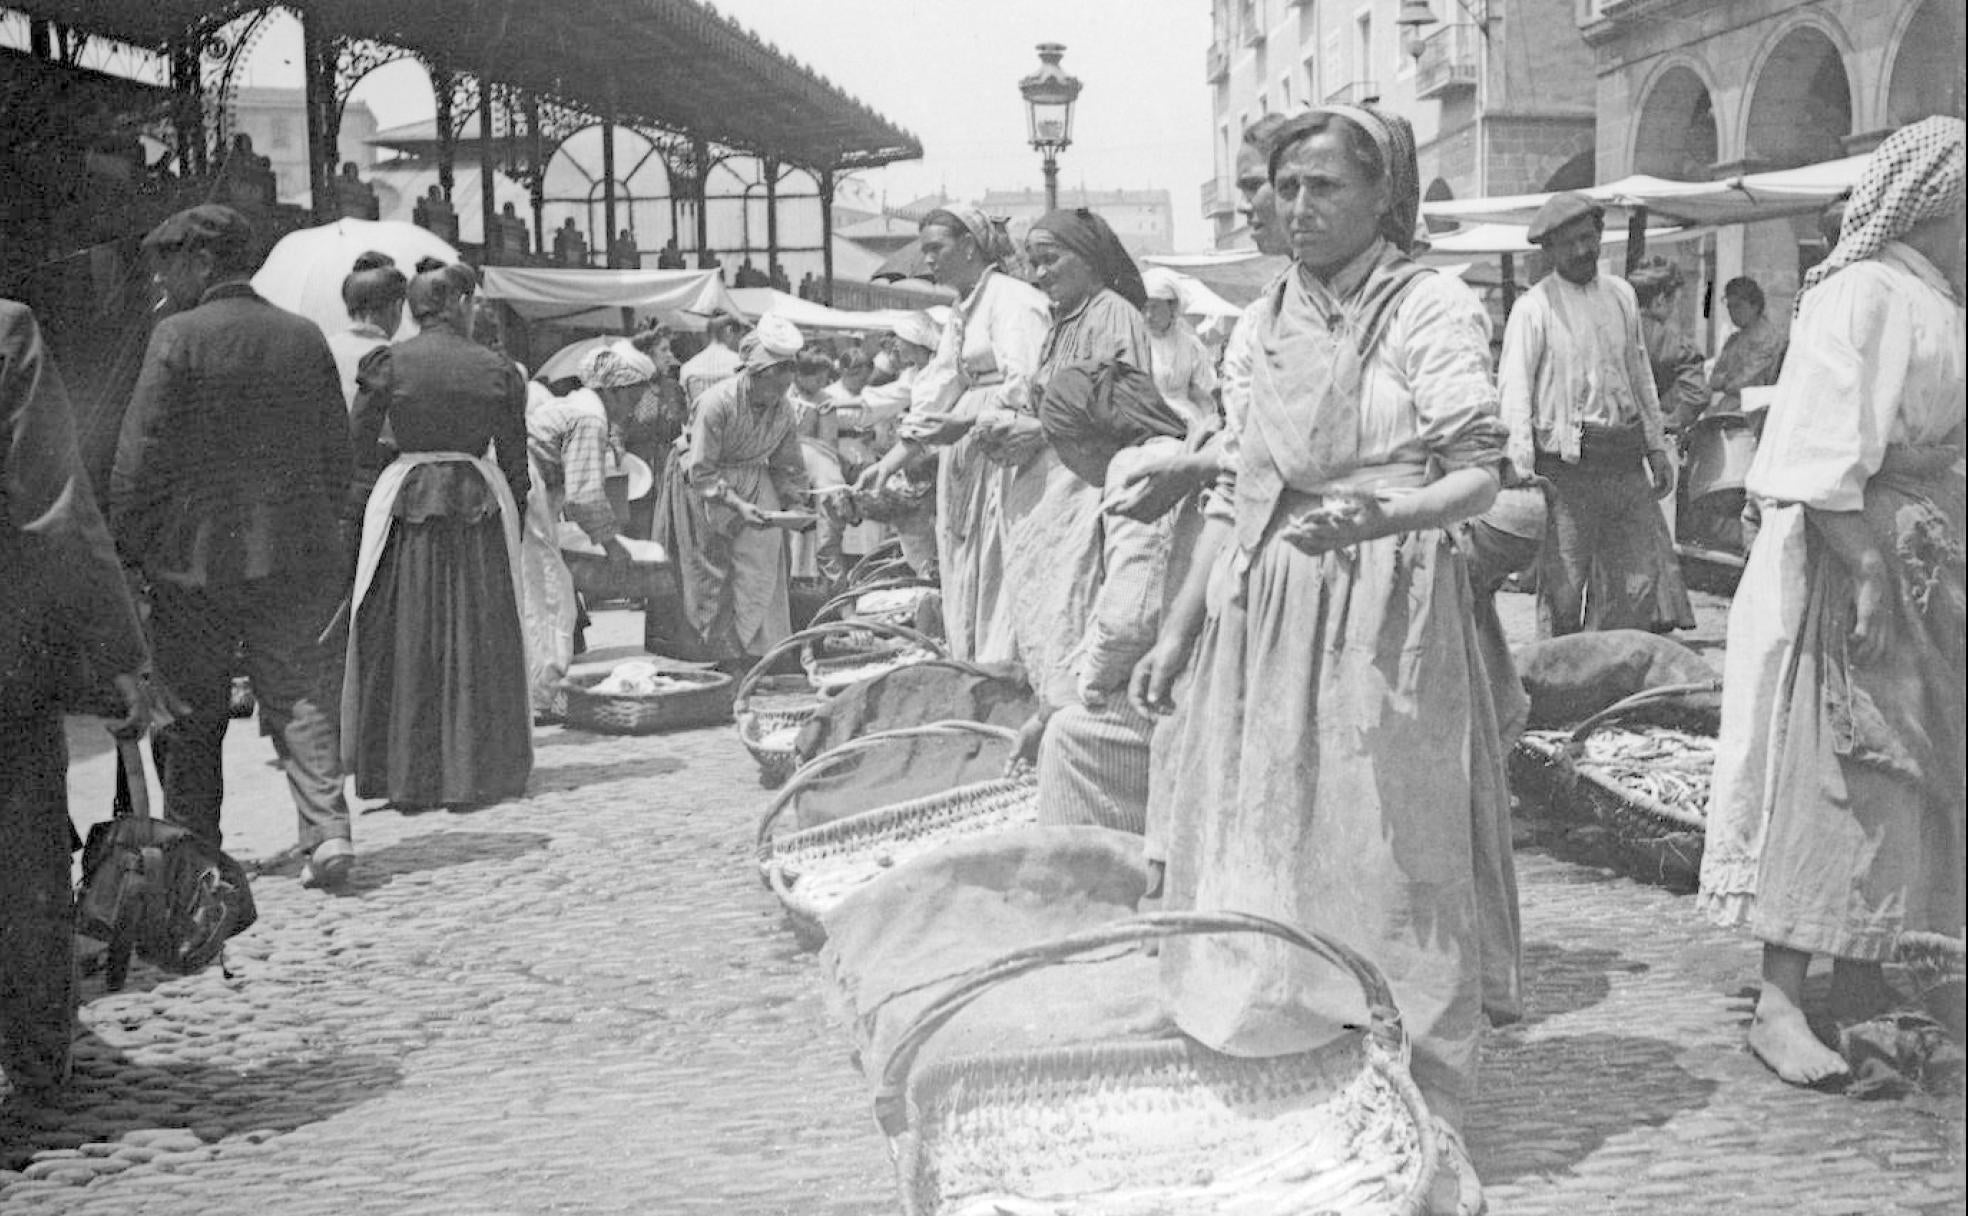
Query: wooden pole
[[1636, 238], [827, 236], [487, 199]]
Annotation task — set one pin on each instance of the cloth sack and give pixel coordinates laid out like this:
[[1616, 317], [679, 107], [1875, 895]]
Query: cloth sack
[[936, 691], [1571, 678], [896, 944]]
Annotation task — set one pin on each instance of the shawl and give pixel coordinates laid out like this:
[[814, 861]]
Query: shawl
[[1917, 174], [1105, 406]]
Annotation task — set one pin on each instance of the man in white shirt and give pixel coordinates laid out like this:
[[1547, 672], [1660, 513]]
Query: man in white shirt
[[1578, 395], [717, 361]]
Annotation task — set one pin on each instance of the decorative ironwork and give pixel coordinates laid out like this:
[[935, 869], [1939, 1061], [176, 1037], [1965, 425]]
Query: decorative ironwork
[[355, 58]]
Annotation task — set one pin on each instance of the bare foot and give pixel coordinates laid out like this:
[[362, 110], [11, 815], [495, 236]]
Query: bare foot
[[1781, 1039], [1859, 993]]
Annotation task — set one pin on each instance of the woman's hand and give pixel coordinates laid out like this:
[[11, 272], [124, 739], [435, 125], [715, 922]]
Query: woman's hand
[[1011, 438], [1872, 617], [1337, 522], [1152, 686], [1025, 748], [1153, 490], [1660, 472], [935, 427], [748, 513]]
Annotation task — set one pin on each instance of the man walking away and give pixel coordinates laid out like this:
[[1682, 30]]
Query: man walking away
[[1578, 395], [233, 458]]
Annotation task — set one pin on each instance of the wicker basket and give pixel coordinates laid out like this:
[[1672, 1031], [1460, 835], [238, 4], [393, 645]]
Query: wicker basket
[[706, 704], [1933, 963], [812, 797], [1137, 1127], [600, 579], [836, 654], [1653, 840], [812, 870]]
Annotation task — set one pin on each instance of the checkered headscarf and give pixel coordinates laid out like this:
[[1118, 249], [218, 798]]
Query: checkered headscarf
[[1918, 174]]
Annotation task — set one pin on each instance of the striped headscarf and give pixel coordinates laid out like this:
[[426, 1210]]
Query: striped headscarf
[[990, 235], [1918, 174], [1393, 137]]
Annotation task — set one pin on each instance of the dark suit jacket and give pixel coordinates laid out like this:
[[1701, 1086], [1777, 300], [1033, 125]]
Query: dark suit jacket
[[234, 454], [64, 607]]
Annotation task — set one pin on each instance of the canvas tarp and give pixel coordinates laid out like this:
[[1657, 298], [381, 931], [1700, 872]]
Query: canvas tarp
[[596, 298], [1742, 199]]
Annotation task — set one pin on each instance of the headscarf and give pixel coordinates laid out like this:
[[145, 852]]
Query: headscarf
[[990, 235], [1105, 406], [1087, 235], [1917, 174], [1161, 283], [918, 329], [774, 341], [616, 365], [1394, 139]]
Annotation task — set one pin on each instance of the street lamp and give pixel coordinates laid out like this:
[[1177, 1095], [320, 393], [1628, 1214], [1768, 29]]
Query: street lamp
[[1049, 95], [1414, 17]]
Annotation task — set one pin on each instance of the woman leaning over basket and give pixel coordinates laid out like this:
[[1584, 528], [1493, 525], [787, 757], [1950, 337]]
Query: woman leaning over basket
[[983, 367], [567, 442], [434, 707], [1835, 818], [1338, 764]]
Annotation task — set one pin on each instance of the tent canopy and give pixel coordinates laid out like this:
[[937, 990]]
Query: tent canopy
[[755, 302], [597, 297], [1743, 199]]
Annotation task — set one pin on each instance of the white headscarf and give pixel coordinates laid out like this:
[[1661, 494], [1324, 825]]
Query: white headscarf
[[1163, 284], [774, 341], [615, 365]]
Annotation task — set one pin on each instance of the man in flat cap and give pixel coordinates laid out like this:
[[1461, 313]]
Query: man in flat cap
[[1578, 395], [233, 459], [717, 361]]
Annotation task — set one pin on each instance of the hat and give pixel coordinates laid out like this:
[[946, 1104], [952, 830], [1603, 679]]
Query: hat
[[206, 226], [918, 329], [616, 365], [775, 340], [1558, 211]]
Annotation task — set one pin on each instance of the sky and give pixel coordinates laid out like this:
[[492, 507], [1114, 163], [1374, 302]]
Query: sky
[[948, 71]]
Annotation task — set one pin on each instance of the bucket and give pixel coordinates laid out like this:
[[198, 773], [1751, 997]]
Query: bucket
[[1720, 449]]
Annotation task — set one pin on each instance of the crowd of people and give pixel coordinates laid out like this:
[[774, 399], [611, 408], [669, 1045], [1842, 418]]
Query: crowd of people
[[1251, 594]]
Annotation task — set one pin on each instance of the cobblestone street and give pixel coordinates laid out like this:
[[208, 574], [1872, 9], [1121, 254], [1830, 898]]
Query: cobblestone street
[[585, 1002]]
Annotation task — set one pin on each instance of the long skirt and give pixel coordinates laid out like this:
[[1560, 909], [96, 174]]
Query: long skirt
[[971, 543], [733, 582], [550, 611], [1338, 766], [1836, 815], [444, 713], [1052, 570]]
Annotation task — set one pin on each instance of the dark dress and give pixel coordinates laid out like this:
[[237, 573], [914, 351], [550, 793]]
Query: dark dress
[[442, 713]]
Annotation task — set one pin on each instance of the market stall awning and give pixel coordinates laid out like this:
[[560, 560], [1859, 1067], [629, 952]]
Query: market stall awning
[[1743, 199], [677, 65], [755, 302], [597, 297]]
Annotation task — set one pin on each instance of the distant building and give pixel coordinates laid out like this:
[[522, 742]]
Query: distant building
[[276, 119], [1143, 219], [1500, 92]]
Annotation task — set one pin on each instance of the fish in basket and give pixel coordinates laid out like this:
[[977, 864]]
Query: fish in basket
[[1159, 1126], [768, 716], [1644, 784], [813, 869], [639, 699]]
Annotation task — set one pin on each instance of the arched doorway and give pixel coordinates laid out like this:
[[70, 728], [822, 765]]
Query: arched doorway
[[1799, 113], [1675, 137], [1927, 65]]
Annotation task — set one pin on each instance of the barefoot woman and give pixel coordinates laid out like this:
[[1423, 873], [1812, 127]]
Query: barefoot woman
[[1835, 822]]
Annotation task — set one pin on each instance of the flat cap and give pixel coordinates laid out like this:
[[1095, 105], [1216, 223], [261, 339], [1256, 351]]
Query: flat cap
[[1559, 210], [206, 226]]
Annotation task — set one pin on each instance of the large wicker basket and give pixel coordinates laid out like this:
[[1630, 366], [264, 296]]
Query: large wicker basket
[[885, 767], [812, 870], [706, 703], [1138, 1127], [1655, 841]]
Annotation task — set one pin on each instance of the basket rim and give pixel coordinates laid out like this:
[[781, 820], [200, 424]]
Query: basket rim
[[1145, 1057], [1554, 756], [581, 683], [827, 760], [869, 823]]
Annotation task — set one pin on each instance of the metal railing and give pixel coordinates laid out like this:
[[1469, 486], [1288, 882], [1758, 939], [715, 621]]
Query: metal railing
[[1450, 60], [1218, 198], [1216, 63]]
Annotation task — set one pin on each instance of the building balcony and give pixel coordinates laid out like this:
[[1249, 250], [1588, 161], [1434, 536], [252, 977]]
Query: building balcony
[[1251, 23], [1355, 93], [1216, 64], [1219, 198], [1449, 63]]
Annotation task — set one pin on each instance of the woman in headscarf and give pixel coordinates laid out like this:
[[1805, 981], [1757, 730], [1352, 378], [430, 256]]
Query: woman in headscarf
[[434, 706], [1337, 761], [1052, 544], [1754, 354], [568, 450], [985, 359], [721, 519], [1103, 421], [1185, 375], [1835, 817]]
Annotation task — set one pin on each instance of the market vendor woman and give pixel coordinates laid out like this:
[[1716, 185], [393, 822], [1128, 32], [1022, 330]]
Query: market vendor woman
[[721, 519]]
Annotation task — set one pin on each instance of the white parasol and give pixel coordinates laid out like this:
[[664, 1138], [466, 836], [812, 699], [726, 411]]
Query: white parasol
[[304, 272]]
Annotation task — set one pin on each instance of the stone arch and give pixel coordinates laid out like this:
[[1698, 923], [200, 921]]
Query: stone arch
[[1677, 136], [1926, 73], [1801, 104], [1578, 173]]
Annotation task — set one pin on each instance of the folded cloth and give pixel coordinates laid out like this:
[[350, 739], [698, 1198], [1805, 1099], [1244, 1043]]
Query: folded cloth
[[1571, 678], [896, 944]]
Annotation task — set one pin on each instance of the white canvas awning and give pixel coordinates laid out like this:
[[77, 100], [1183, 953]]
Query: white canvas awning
[[755, 302], [597, 297], [1742, 199]]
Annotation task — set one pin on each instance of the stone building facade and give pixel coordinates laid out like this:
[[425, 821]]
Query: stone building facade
[[1696, 90], [1500, 92]]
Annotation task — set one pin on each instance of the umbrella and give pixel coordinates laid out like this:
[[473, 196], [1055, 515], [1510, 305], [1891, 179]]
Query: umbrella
[[304, 272], [565, 363]]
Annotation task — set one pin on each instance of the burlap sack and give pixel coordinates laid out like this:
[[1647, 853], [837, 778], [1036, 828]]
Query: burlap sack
[[895, 945], [1571, 678]]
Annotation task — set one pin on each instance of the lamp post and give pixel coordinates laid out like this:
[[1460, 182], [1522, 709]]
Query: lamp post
[[1049, 95]]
